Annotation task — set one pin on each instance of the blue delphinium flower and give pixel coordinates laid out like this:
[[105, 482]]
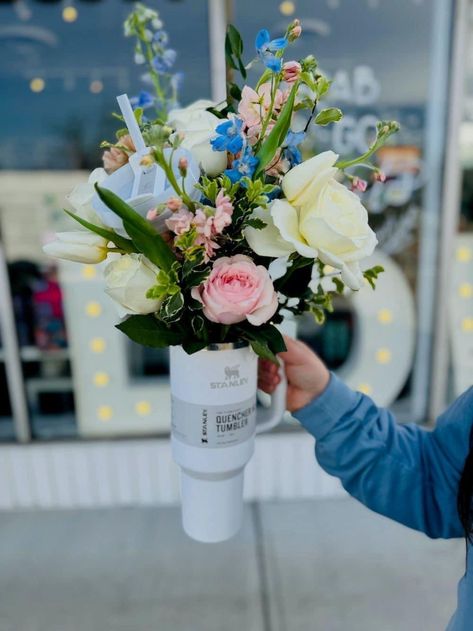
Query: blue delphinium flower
[[144, 100], [245, 165], [229, 136], [163, 62], [161, 38], [177, 80], [291, 146], [267, 47]]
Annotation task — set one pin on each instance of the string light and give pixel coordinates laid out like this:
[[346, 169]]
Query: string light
[[365, 388], [467, 325], [37, 84], [96, 86], [287, 7], [70, 14]]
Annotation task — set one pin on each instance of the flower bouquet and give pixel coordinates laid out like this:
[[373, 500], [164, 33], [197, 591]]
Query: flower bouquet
[[215, 228]]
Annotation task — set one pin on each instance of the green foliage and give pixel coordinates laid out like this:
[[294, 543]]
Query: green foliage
[[266, 340], [257, 193], [256, 223], [329, 115], [149, 331], [234, 50], [144, 236], [171, 308], [167, 284], [123, 244], [339, 285], [209, 188], [372, 274], [276, 138], [384, 130]]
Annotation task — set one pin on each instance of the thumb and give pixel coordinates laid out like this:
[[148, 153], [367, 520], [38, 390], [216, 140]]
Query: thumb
[[296, 352]]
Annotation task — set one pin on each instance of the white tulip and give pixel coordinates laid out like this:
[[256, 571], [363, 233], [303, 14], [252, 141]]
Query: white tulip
[[79, 246], [80, 198], [198, 128], [127, 280]]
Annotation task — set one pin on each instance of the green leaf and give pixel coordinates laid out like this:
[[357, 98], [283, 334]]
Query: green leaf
[[148, 331], [329, 115], [322, 86], [171, 308], [143, 235], [278, 133], [120, 242], [262, 350], [256, 222], [339, 284], [193, 346]]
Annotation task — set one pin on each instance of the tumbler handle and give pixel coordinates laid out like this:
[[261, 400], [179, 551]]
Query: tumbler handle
[[269, 417]]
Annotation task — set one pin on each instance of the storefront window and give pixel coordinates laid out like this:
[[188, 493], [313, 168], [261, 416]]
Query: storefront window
[[62, 65], [382, 349]]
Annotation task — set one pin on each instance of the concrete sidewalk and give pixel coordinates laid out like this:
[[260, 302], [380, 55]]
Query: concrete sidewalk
[[327, 565]]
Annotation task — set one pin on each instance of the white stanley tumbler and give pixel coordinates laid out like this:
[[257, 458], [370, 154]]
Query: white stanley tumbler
[[214, 422]]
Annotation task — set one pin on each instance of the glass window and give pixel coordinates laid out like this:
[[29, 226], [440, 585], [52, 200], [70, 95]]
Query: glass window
[[380, 343], [62, 65]]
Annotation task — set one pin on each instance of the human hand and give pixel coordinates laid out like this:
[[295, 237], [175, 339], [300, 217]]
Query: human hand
[[307, 376]]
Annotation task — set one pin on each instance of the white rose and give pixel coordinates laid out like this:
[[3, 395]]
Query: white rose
[[198, 127], [127, 280], [80, 198], [79, 246], [320, 218]]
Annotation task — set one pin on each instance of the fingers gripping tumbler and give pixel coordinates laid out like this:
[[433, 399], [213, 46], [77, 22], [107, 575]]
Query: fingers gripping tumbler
[[214, 423]]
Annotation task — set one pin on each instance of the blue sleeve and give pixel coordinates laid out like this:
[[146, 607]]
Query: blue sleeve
[[404, 472]]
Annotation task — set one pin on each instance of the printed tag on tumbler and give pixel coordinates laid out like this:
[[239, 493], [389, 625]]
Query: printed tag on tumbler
[[213, 425]]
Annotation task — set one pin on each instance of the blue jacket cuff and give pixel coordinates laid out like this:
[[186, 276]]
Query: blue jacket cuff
[[321, 415]]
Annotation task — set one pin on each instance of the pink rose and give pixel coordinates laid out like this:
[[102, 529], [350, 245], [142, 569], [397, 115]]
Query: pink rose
[[291, 71], [236, 290]]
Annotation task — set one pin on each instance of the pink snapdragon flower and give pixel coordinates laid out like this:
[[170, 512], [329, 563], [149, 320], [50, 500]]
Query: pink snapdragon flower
[[180, 222], [208, 225], [254, 105], [114, 158], [291, 71], [237, 289]]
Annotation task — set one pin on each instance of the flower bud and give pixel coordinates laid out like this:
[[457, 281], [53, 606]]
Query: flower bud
[[174, 203], [147, 161], [294, 31], [182, 166], [78, 246], [291, 71], [380, 176], [357, 184]]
